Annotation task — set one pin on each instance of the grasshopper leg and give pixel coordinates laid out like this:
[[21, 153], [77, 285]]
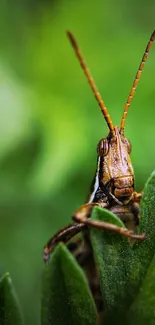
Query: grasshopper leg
[[137, 196], [64, 235], [82, 216]]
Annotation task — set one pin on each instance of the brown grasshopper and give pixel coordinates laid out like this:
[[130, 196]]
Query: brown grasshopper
[[112, 187]]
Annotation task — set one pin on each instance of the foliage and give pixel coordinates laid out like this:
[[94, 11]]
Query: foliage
[[66, 296], [10, 312]]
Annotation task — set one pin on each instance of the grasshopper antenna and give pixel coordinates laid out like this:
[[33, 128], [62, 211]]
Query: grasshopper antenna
[[91, 82], [136, 80]]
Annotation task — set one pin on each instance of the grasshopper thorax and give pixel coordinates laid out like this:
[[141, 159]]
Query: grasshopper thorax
[[115, 169]]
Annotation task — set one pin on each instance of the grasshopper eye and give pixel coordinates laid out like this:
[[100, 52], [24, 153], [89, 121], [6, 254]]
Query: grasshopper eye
[[102, 147], [128, 144]]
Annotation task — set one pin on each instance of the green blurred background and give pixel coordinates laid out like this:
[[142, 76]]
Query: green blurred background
[[50, 122]]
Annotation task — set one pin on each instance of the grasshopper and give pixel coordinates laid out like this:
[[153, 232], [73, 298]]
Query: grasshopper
[[112, 187]]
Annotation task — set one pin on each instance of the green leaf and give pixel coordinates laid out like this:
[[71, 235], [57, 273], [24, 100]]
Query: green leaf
[[10, 313], [66, 296], [142, 310], [144, 251], [123, 267], [113, 254]]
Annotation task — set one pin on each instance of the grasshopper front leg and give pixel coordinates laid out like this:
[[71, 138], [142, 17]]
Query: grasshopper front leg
[[82, 221], [82, 216], [137, 196]]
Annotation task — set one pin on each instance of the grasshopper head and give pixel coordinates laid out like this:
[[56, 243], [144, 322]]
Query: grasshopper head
[[115, 167]]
